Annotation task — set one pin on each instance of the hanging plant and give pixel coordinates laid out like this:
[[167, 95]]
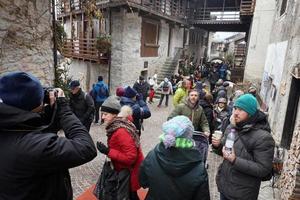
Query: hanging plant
[[103, 44]]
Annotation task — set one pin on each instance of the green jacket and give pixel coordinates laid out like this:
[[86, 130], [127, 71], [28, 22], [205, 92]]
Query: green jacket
[[196, 115], [179, 96]]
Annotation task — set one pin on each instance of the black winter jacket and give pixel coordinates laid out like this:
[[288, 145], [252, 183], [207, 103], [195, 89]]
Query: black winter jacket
[[34, 164], [242, 179], [174, 174], [82, 105]]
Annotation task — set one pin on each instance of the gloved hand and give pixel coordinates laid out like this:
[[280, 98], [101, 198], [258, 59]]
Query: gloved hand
[[102, 148]]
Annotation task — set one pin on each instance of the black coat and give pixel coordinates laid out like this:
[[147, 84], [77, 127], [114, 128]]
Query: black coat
[[142, 88], [174, 174], [34, 164], [245, 175], [82, 105], [209, 113]]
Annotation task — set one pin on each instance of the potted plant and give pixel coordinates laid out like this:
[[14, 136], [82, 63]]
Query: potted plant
[[103, 44]]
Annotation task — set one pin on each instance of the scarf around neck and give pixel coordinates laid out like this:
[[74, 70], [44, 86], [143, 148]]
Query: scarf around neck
[[121, 123]]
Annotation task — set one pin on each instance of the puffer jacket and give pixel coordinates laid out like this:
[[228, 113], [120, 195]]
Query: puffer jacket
[[244, 176], [34, 164], [125, 155], [179, 96], [174, 174], [196, 115], [140, 111]]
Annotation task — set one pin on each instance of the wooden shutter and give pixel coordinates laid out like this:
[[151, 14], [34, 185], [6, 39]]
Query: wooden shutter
[[149, 39]]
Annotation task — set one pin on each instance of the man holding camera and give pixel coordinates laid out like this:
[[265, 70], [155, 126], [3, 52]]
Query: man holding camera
[[35, 162]]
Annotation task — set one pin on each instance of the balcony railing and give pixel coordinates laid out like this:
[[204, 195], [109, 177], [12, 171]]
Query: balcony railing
[[168, 7], [247, 7], [84, 49], [216, 14]]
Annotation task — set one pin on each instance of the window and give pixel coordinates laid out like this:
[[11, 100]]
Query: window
[[283, 7], [149, 39]]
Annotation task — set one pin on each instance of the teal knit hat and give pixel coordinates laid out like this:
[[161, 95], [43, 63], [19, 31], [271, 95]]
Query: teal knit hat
[[248, 103]]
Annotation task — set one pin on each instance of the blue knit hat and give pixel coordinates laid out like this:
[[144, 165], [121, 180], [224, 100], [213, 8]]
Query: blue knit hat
[[21, 90], [248, 103], [179, 126], [130, 92]]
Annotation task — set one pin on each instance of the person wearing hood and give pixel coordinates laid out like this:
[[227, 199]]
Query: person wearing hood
[[139, 107], [243, 169], [123, 142], [34, 159], [142, 87], [174, 169], [207, 104], [100, 93], [181, 93], [166, 90], [191, 109], [82, 104]]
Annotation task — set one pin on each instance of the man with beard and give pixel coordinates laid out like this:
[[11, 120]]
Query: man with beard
[[250, 159], [191, 109]]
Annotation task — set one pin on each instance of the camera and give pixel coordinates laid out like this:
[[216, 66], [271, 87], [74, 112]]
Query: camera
[[47, 90]]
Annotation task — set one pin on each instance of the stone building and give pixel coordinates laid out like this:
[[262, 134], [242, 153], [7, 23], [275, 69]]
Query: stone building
[[280, 90], [26, 38], [261, 30], [144, 35]]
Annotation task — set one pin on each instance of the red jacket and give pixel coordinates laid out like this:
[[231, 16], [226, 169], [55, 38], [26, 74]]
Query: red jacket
[[124, 154]]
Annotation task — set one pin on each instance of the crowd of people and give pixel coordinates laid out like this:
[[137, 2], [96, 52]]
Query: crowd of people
[[36, 160]]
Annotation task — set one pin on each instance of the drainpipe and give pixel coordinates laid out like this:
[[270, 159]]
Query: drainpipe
[[54, 41], [109, 56]]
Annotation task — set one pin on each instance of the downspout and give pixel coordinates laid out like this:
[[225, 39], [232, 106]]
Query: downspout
[[54, 42], [109, 56]]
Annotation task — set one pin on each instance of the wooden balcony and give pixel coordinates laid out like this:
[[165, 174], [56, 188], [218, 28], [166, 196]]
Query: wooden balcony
[[214, 15], [247, 7], [83, 49], [169, 8]]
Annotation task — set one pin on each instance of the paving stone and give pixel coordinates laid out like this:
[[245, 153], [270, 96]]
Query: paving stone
[[84, 176]]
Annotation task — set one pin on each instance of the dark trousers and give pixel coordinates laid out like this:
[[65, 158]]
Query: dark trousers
[[97, 108], [87, 124], [222, 197], [134, 196], [162, 98]]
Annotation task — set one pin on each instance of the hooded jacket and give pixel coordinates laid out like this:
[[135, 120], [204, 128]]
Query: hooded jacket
[[196, 115], [96, 91], [139, 108], [174, 174], [34, 164], [245, 174]]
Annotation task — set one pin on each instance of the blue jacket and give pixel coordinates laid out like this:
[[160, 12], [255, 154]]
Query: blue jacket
[[96, 93], [139, 108]]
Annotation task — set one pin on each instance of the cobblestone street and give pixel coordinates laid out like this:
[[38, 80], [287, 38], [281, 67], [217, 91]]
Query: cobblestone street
[[86, 175]]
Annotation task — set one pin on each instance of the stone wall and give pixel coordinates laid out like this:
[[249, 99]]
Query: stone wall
[[290, 178], [126, 63], [285, 28], [26, 38], [87, 73], [259, 39]]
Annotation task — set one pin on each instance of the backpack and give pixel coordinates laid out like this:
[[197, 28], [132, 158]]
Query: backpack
[[165, 87], [102, 92]]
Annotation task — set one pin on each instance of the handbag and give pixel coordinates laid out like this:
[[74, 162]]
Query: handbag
[[112, 185]]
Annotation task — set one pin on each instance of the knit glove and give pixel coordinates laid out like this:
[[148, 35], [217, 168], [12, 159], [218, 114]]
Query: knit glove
[[102, 148]]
